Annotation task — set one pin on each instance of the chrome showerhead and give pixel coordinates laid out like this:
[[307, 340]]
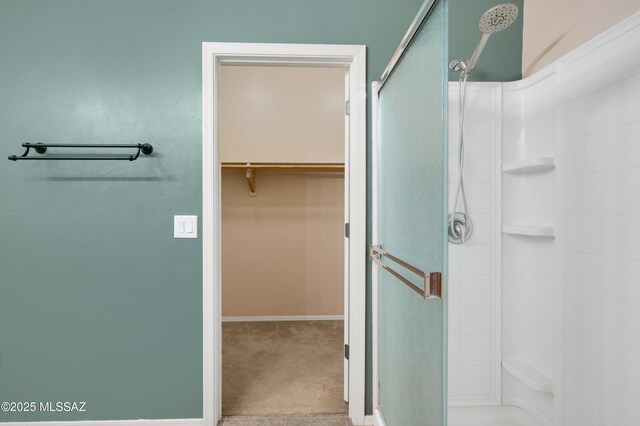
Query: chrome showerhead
[[492, 21], [498, 18]]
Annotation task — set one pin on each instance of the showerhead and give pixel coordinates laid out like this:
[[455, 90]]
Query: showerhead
[[498, 18], [492, 21]]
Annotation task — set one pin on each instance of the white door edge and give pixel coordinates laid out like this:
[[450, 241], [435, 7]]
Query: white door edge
[[346, 239]]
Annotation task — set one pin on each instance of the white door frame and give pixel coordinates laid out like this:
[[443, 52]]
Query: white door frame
[[375, 157], [213, 55]]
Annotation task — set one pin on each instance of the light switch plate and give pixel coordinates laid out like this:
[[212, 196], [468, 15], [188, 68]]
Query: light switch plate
[[185, 226]]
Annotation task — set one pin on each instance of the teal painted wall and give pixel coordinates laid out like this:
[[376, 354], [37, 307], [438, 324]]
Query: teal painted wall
[[501, 60], [98, 302]]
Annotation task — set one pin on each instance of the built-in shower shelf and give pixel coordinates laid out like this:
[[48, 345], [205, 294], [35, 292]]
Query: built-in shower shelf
[[529, 375], [528, 230], [530, 165]]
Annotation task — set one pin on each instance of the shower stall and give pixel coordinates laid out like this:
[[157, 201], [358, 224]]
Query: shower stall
[[539, 320]]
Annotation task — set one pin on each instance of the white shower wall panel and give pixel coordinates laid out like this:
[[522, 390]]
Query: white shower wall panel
[[473, 283], [563, 316], [601, 125], [584, 111]]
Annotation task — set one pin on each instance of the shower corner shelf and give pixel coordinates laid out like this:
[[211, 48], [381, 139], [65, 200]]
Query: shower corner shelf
[[528, 230], [529, 375], [530, 165]]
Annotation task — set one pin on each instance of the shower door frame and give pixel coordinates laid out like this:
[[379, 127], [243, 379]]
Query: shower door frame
[[376, 86], [353, 58]]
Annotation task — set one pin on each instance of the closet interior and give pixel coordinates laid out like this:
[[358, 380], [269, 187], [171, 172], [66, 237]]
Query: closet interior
[[282, 155]]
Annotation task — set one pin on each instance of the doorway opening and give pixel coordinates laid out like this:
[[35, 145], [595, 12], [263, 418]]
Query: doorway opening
[[284, 270], [252, 293]]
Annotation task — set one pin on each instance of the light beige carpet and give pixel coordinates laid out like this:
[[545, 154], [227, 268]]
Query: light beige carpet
[[282, 367]]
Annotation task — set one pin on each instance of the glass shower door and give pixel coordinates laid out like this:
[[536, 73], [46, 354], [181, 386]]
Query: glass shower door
[[410, 220]]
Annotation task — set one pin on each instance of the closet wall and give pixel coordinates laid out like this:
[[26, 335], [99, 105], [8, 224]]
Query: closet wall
[[282, 249]]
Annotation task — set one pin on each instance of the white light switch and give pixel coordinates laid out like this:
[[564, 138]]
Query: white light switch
[[185, 226]]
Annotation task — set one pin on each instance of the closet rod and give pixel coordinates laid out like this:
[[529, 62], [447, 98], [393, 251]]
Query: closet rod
[[284, 165], [41, 148]]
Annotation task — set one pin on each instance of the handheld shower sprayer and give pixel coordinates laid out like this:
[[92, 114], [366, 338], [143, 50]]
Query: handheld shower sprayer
[[492, 21]]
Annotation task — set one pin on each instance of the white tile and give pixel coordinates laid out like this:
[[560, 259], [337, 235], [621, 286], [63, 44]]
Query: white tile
[[584, 194], [584, 272], [455, 320], [622, 282], [621, 52], [456, 261], [454, 350], [476, 350], [479, 197], [583, 115], [477, 167], [455, 286], [618, 409], [621, 370], [620, 147], [584, 233], [584, 312], [583, 390], [621, 236], [482, 229], [621, 326], [478, 106], [574, 416], [453, 186], [584, 154], [479, 137], [621, 102], [476, 381], [475, 320], [582, 76], [455, 379], [583, 351], [475, 259], [621, 192], [477, 290], [540, 118]]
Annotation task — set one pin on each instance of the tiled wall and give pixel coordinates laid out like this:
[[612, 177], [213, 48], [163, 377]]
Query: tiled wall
[[601, 128], [597, 288], [472, 313]]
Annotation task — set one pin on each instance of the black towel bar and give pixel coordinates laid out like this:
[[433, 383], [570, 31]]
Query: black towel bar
[[41, 148]]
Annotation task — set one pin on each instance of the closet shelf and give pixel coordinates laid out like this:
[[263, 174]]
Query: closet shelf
[[530, 165], [250, 169], [528, 230], [529, 375]]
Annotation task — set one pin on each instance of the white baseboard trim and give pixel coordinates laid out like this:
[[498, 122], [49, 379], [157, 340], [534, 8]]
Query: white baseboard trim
[[286, 318], [369, 421], [378, 418], [140, 422]]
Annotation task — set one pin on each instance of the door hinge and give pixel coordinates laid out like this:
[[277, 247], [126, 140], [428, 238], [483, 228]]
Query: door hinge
[[346, 352], [347, 231], [347, 108]]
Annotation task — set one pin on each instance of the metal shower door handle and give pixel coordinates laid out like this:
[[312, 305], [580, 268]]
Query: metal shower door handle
[[432, 281]]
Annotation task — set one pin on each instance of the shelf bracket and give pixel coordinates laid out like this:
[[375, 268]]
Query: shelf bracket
[[250, 174]]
